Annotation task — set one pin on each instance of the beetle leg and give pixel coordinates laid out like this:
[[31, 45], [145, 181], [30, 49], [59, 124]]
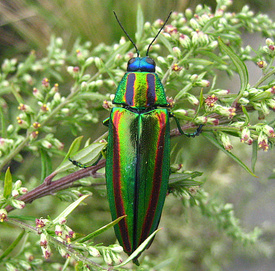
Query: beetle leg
[[196, 133], [80, 165]]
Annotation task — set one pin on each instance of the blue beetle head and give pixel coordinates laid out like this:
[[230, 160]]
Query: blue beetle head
[[141, 64]]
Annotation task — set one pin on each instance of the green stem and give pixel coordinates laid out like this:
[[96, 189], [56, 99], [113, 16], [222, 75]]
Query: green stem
[[263, 78], [12, 154]]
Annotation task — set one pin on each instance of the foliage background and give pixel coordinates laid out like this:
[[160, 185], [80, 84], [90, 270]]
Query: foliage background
[[27, 25]]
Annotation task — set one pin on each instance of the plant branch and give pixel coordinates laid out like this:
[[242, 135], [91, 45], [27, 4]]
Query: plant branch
[[222, 120], [48, 187]]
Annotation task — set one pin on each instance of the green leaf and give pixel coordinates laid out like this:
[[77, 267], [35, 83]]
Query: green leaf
[[254, 154], [200, 61], [214, 141], [70, 208], [211, 55], [183, 91], [166, 43], [74, 147], [247, 121], [210, 23], [139, 250], [87, 154], [140, 24], [46, 164], [186, 179], [101, 230], [231, 37], [240, 66], [8, 183], [12, 245]]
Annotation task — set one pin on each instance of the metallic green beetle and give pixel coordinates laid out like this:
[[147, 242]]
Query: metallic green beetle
[[138, 151]]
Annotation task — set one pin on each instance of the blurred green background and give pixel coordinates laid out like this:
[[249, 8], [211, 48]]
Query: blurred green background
[[28, 25]]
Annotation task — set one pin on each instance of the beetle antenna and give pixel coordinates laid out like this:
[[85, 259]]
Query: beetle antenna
[[126, 33], [147, 52]]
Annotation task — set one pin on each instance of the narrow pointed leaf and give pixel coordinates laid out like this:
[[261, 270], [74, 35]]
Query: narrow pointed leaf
[[240, 66], [8, 183], [140, 23], [139, 249], [236, 159], [70, 208], [212, 56], [185, 178], [84, 156], [101, 230], [46, 164], [183, 91], [254, 154], [12, 245], [74, 147], [166, 43]]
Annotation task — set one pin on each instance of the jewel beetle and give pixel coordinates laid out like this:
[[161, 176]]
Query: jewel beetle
[[138, 150]]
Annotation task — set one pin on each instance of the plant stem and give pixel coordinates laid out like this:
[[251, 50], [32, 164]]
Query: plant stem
[[48, 187]]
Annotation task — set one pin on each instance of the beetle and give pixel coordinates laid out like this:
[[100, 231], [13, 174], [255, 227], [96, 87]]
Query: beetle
[[138, 151]]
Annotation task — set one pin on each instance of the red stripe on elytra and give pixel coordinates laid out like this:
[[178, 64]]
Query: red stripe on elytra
[[150, 214], [120, 211]]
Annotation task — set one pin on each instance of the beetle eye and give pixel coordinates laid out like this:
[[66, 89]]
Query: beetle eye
[[132, 60], [150, 61]]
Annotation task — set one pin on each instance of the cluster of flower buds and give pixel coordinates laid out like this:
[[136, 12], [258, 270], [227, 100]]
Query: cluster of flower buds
[[111, 255], [44, 243], [197, 81], [64, 233], [41, 225], [211, 105], [270, 47], [246, 137], [17, 190], [265, 132]]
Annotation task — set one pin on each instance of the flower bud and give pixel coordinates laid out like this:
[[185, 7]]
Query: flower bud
[[184, 41], [93, 251], [107, 257], [85, 77], [15, 193], [226, 141], [46, 144], [188, 13], [245, 135], [98, 63], [192, 99], [116, 248], [262, 64], [10, 267], [177, 52], [270, 103], [89, 61], [269, 42], [263, 141], [268, 130], [3, 215], [116, 258], [46, 252], [18, 204], [41, 223], [43, 240], [58, 230], [23, 190]]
